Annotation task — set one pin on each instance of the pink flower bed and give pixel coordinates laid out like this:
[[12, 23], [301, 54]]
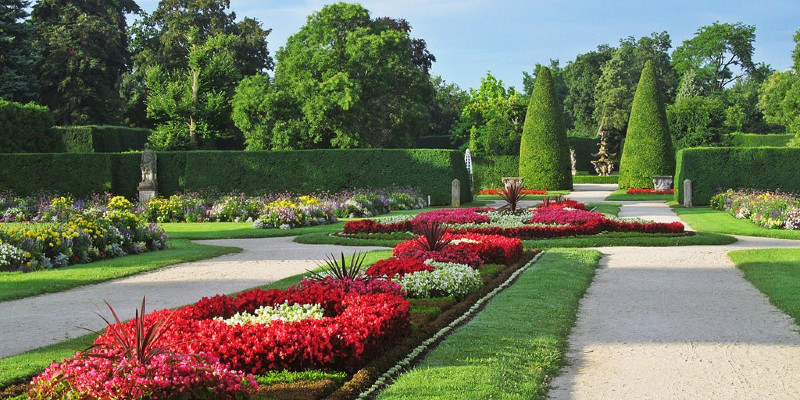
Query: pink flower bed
[[490, 249], [453, 216]]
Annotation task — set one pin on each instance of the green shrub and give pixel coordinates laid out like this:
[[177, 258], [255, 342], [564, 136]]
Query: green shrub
[[739, 139], [26, 128], [301, 171], [697, 122], [102, 138], [544, 159], [716, 169], [648, 150], [487, 171]]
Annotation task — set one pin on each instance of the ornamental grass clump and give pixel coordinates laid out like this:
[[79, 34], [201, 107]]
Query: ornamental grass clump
[[340, 269], [512, 195]]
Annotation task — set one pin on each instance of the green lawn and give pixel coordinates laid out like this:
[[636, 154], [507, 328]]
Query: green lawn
[[612, 239], [16, 285], [708, 220], [620, 195], [776, 273], [515, 344], [594, 178]]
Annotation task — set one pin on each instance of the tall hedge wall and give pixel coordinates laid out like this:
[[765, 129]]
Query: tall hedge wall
[[102, 138], [739, 139], [719, 168], [251, 172], [26, 128], [487, 171]]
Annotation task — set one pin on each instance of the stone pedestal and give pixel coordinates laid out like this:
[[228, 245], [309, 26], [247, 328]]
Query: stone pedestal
[[687, 193], [147, 191], [662, 182], [455, 193]]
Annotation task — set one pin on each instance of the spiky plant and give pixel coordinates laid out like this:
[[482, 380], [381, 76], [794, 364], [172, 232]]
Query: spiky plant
[[512, 194], [432, 236], [142, 345], [340, 270]]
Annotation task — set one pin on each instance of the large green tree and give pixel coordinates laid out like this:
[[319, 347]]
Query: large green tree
[[345, 80], [84, 50], [166, 37], [544, 159], [648, 150], [719, 54], [580, 78], [17, 56], [192, 105], [491, 120]]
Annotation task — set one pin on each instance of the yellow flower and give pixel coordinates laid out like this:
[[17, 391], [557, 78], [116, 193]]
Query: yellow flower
[[27, 254]]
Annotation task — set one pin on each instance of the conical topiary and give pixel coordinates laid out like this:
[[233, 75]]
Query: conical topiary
[[544, 159], [648, 149]]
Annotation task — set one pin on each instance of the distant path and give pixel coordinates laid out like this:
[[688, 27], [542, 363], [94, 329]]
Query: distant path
[[678, 323], [34, 322]]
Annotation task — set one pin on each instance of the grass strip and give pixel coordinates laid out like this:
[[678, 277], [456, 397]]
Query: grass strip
[[709, 220], [776, 273], [21, 367], [621, 195], [616, 239], [17, 285], [580, 178], [605, 208], [515, 344]]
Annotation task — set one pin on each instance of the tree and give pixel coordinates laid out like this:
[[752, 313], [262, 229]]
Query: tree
[[779, 100], [580, 78], [544, 159], [448, 101], [715, 51], [345, 80], [648, 150], [697, 121], [529, 80], [491, 119], [83, 50], [689, 87], [192, 105], [249, 104], [17, 56], [165, 37]]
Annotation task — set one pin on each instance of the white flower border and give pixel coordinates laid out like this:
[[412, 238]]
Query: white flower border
[[384, 379]]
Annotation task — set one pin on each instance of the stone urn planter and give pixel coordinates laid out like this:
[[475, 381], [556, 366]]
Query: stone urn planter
[[662, 182]]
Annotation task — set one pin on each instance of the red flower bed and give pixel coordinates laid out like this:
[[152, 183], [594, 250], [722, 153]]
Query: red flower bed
[[561, 204], [372, 226], [453, 216], [649, 191], [356, 327], [491, 249], [524, 191], [392, 267]]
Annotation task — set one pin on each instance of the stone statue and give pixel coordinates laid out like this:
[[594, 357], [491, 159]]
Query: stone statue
[[148, 188], [149, 165], [573, 161], [603, 165]]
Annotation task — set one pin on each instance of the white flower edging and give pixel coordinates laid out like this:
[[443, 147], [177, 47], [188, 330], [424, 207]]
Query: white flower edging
[[382, 380]]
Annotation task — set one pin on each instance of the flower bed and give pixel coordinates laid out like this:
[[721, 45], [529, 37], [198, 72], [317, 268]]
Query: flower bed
[[464, 248], [498, 191], [356, 326], [548, 220], [649, 191], [78, 235], [768, 209]]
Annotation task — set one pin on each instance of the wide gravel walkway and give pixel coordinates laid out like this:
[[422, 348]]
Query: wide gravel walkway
[[33, 322], [678, 323]]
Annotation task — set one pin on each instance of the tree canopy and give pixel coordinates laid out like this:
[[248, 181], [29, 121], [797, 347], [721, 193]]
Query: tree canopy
[[17, 55]]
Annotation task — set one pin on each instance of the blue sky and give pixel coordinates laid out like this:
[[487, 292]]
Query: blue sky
[[506, 37]]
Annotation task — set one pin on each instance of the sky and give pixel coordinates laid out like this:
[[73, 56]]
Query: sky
[[507, 37]]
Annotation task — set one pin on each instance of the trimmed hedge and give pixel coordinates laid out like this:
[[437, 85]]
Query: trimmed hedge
[[300, 171], [102, 138], [648, 148], [544, 159], [739, 139], [26, 128], [487, 171], [714, 169]]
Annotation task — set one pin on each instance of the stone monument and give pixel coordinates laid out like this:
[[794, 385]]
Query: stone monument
[[603, 165], [573, 161], [662, 182], [148, 188], [455, 193]]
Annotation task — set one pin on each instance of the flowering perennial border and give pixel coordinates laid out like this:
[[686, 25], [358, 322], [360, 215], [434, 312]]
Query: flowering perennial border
[[767, 209]]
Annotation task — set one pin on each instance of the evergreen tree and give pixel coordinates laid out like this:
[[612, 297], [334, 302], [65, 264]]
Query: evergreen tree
[[648, 150], [544, 159], [17, 58], [83, 48]]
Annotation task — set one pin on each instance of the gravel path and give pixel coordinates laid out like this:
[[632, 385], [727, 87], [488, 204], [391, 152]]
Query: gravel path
[[42, 320], [679, 323]]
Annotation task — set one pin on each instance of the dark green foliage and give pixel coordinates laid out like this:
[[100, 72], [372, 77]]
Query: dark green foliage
[[102, 138], [739, 139], [431, 171], [487, 171], [17, 57], [648, 151], [697, 121], [712, 170], [436, 142], [544, 149], [26, 128]]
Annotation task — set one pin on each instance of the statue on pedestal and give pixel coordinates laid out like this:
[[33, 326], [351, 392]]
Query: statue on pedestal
[[148, 188], [603, 165]]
